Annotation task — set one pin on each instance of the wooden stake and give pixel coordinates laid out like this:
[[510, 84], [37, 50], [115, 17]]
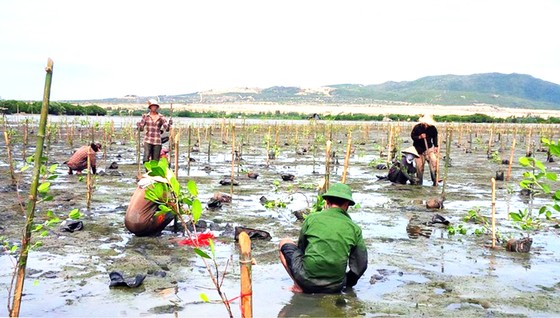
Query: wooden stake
[[246, 283], [493, 212], [327, 164], [89, 187], [347, 157], [511, 157], [10, 160], [232, 159], [189, 150]]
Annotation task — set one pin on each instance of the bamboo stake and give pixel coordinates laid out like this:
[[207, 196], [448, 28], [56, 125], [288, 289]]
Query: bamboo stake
[[176, 166], [25, 139], [511, 157], [232, 159], [246, 283], [138, 161], [10, 160], [389, 145], [268, 145], [30, 213], [493, 212], [209, 138], [189, 150], [327, 164], [446, 165], [347, 157], [89, 188]]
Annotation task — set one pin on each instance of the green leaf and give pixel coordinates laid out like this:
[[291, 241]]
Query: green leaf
[[52, 177], [44, 187], [515, 216], [25, 167], [552, 176], [540, 165], [524, 161], [157, 172], [48, 198], [164, 208], [196, 210], [75, 214], [187, 201], [557, 195], [545, 187], [13, 249], [52, 168], [30, 159], [201, 253], [175, 186], [191, 186], [163, 164], [556, 207], [204, 297]]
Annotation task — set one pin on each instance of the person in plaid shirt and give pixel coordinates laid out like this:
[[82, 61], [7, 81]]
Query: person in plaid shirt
[[154, 123], [78, 161]]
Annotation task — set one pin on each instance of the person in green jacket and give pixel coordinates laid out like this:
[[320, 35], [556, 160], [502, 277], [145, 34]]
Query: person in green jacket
[[329, 243]]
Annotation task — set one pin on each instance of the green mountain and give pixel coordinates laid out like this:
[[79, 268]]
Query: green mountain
[[508, 90]]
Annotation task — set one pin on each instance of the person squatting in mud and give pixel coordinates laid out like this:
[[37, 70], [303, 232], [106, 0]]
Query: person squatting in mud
[[79, 160], [328, 242], [425, 141], [139, 218], [154, 123], [405, 170]]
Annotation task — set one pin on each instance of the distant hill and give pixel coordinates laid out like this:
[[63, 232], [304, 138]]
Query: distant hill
[[508, 90]]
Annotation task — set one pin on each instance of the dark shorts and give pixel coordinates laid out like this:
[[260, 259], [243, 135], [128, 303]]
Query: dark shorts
[[294, 261]]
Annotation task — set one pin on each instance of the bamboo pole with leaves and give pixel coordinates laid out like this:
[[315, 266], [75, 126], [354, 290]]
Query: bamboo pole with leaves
[[30, 211]]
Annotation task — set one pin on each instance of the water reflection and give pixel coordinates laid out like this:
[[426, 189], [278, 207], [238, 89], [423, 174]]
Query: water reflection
[[323, 305]]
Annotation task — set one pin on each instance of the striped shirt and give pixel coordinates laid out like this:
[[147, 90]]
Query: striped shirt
[[78, 161], [153, 128]]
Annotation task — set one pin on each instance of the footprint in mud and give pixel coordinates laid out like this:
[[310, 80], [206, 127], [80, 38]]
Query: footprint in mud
[[382, 275]]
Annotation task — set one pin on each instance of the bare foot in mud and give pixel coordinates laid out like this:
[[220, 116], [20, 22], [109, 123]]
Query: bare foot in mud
[[296, 289]]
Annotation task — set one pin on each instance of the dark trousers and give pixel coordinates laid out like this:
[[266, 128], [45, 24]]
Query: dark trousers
[[151, 152]]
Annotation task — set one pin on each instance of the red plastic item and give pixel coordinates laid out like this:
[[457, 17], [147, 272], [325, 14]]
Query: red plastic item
[[202, 239]]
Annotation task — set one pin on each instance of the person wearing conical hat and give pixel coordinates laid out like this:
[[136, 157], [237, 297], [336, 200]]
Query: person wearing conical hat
[[405, 170], [425, 140], [154, 123], [329, 242]]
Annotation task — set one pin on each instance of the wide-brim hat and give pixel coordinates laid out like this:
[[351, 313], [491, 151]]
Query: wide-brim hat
[[152, 102], [427, 119], [340, 190], [411, 150]]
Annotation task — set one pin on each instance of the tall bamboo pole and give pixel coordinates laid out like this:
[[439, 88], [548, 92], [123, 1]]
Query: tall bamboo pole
[[347, 157], [89, 187], [30, 213], [246, 283]]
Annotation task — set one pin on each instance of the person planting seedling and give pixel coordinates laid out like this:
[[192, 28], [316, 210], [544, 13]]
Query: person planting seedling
[[329, 242]]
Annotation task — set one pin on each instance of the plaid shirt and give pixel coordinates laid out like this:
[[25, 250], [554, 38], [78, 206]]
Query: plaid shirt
[[153, 128], [78, 161]]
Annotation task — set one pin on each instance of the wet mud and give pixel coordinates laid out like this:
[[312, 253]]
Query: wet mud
[[416, 268]]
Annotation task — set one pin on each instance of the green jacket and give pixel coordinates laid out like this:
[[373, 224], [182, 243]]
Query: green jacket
[[330, 241]]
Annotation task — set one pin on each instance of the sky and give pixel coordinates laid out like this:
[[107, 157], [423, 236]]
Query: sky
[[106, 49]]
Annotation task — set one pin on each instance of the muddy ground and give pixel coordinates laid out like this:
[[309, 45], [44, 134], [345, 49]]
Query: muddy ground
[[414, 269]]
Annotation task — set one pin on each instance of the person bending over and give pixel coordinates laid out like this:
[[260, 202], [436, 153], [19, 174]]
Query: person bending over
[[328, 243], [78, 161]]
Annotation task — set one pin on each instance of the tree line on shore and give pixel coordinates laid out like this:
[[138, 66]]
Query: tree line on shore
[[62, 108]]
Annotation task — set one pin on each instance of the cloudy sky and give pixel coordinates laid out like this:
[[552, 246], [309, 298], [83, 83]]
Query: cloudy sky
[[105, 49]]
